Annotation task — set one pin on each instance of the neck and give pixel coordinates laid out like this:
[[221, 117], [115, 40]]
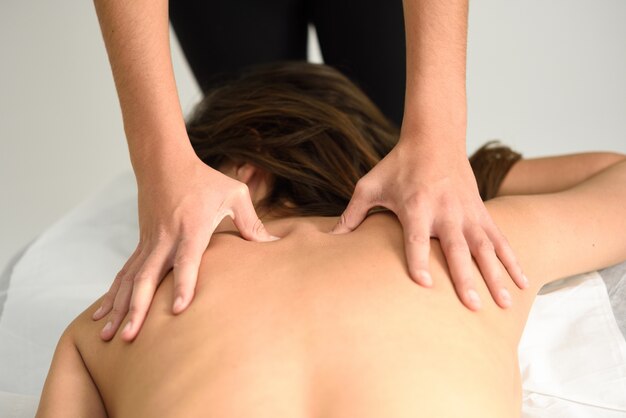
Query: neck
[[324, 224], [281, 226]]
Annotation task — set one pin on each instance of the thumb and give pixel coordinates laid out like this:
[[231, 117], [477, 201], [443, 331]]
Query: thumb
[[355, 213], [247, 221]]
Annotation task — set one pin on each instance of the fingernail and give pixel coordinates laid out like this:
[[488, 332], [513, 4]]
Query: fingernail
[[128, 327], [473, 298], [178, 304], [274, 238], [506, 297], [525, 280], [424, 278], [107, 327], [96, 313]]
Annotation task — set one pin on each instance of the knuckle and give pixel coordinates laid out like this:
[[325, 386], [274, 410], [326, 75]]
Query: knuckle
[[258, 227], [455, 246], [112, 291], [492, 276], [418, 239], [448, 225], [181, 260], [413, 200], [363, 182], [118, 311], [242, 191], [160, 236], [496, 235], [127, 279], [109, 296], [484, 245], [134, 310], [142, 277], [178, 262], [120, 274], [494, 281], [362, 187], [450, 205], [187, 231], [348, 221], [501, 244], [107, 301], [461, 282]]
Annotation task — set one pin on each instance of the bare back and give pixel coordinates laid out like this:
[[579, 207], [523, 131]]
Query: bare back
[[314, 325], [319, 325]]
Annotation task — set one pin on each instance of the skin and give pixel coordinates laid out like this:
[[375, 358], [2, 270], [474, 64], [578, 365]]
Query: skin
[[318, 324], [181, 201], [426, 180]]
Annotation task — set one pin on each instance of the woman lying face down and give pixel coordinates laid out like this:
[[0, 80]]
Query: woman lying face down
[[323, 325]]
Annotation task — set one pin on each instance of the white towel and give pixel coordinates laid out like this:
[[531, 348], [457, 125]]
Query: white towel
[[572, 353]]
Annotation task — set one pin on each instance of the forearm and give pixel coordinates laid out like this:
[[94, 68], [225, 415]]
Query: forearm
[[553, 174], [136, 36], [579, 224], [435, 100]]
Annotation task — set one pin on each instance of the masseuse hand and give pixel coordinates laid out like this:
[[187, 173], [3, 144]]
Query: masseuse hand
[[433, 193], [177, 216]]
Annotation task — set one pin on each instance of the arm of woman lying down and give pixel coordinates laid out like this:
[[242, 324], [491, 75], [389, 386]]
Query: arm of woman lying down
[[579, 220], [554, 174], [575, 201]]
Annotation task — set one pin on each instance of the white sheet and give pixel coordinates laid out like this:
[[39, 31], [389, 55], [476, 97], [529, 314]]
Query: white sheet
[[572, 355], [17, 406], [59, 275]]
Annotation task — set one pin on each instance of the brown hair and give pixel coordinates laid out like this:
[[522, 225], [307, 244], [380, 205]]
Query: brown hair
[[490, 164], [308, 125]]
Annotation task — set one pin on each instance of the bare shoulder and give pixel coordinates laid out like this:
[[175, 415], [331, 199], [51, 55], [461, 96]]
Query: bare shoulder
[[69, 389], [84, 323]]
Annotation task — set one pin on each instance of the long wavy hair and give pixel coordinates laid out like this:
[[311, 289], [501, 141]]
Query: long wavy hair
[[306, 124]]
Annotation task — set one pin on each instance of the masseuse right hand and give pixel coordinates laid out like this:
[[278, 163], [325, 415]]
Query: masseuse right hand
[[181, 199], [178, 213]]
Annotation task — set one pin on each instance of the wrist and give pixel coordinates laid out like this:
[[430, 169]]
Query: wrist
[[159, 157], [437, 107], [434, 140], [436, 116]]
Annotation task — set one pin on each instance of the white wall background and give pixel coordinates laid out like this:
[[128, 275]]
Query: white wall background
[[545, 77]]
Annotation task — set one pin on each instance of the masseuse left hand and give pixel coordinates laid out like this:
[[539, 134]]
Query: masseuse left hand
[[433, 192]]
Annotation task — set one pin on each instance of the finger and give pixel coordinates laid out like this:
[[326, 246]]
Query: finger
[[490, 267], [186, 265], [246, 219], [107, 302], [507, 256], [122, 299], [416, 226], [356, 211], [145, 284], [459, 262]]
